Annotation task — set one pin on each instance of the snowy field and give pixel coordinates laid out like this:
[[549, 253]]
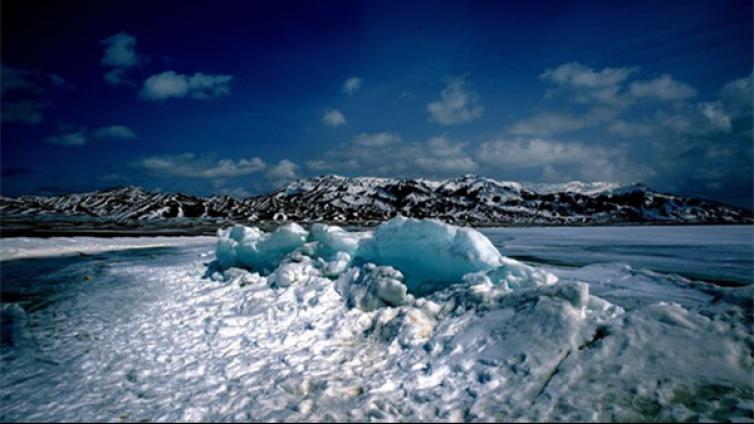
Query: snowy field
[[414, 321]]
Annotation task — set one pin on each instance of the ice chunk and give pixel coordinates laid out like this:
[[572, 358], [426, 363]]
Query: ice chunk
[[336, 266], [255, 249], [429, 253], [373, 287], [332, 239], [512, 275], [290, 273]]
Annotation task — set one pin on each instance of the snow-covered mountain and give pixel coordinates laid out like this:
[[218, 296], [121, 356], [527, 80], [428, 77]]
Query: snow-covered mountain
[[470, 199]]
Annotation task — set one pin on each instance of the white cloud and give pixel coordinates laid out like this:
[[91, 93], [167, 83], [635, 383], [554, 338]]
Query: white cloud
[[736, 95], [457, 104], [386, 154], [630, 129], [115, 132], [24, 111], [524, 152], [31, 81], [560, 160], [575, 74], [188, 165], [377, 139], [77, 138], [661, 88], [549, 123], [715, 115], [333, 118], [352, 85], [586, 85], [120, 51], [170, 84], [120, 55], [284, 170]]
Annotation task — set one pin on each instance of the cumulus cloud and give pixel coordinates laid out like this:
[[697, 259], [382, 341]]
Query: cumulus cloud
[[386, 154], [76, 138], [120, 56], [525, 152], [630, 129], [352, 85], [457, 104], [575, 74], [284, 170], [115, 132], [170, 84], [25, 93], [189, 165], [715, 115], [377, 139], [661, 88], [120, 50], [31, 81], [736, 95], [587, 85], [549, 123], [333, 118], [24, 111], [560, 160], [81, 136]]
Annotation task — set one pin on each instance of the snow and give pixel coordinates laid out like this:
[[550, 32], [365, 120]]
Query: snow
[[298, 330], [34, 247]]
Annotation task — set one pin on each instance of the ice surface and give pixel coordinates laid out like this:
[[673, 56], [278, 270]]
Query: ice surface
[[718, 253], [321, 337], [34, 247]]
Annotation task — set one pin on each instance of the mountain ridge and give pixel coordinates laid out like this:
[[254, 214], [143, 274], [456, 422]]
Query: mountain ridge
[[332, 198]]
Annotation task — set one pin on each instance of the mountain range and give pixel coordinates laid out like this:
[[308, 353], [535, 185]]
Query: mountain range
[[468, 199]]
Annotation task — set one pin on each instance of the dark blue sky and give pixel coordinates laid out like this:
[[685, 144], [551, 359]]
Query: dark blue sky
[[238, 96]]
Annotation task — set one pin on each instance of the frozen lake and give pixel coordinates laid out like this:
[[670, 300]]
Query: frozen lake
[[722, 254], [631, 331]]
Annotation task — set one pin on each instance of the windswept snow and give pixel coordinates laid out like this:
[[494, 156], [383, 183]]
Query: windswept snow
[[302, 325]]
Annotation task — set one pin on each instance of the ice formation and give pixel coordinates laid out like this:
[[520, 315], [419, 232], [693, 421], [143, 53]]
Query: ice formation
[[325, 325], [428, 254]]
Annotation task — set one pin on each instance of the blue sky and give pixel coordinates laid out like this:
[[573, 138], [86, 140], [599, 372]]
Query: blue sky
[[237, 97]]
